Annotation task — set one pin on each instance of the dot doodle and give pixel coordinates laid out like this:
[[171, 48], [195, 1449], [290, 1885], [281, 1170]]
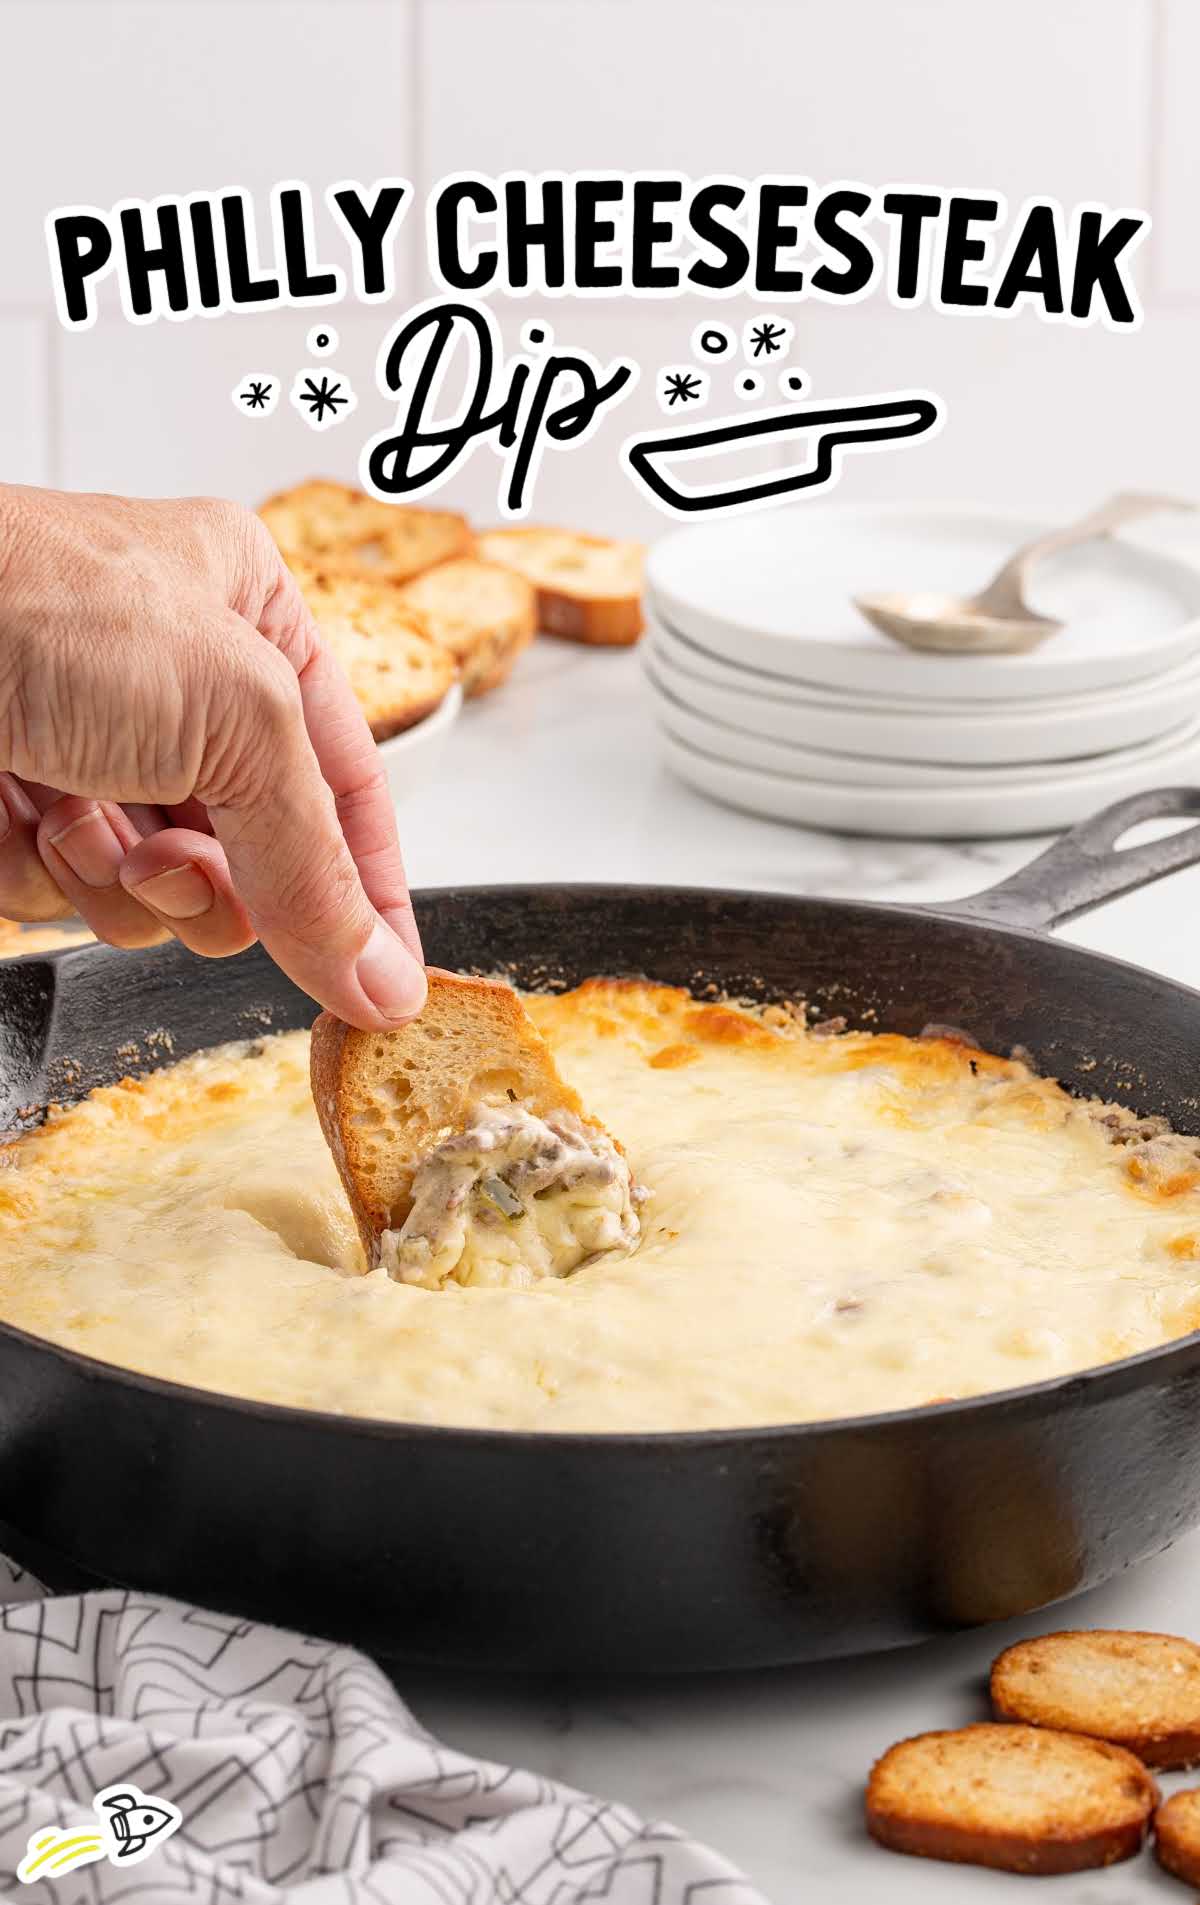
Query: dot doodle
[[322, 340], [713, 340]]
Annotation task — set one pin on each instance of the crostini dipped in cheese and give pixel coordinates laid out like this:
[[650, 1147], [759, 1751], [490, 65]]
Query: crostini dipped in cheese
[[464, 1155]]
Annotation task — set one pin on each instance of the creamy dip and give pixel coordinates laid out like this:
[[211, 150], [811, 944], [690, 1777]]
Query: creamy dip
[[513, 1198], [834, 1225]]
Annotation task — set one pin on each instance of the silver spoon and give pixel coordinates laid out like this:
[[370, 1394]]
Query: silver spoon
[[998, 621]]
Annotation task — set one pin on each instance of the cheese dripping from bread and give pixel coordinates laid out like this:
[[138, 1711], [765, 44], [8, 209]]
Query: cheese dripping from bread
[[464, 1155]]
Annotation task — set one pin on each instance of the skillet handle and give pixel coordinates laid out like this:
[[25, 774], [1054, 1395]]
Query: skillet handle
[[1084, 867]]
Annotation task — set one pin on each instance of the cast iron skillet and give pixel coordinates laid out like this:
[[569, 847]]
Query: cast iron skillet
[[632, 1551]]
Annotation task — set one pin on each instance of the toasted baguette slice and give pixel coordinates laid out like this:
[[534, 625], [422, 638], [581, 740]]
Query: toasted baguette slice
[[386, 1100], [588, 588], [483, 614], [1017, 1798], [1141, 1691], [397, 670], [1177, 1836], [350, 533]]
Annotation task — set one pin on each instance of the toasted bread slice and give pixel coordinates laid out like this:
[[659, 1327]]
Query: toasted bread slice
[[350, 533], [1017, 1798], [1177, 1836], [483, 614], [588, 588], [1141, 1691], [460, 1122], [397, 670]]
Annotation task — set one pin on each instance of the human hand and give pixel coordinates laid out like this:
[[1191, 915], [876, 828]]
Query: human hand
[[180, 753]]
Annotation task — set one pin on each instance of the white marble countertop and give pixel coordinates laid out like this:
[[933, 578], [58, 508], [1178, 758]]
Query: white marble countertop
[[558, 776]]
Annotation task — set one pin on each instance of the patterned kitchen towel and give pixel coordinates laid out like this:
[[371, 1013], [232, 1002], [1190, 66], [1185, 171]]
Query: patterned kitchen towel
[[152, 1753]]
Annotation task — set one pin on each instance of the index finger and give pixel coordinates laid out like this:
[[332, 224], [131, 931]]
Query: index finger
[[349, 762], [347, 756], [273, 813]]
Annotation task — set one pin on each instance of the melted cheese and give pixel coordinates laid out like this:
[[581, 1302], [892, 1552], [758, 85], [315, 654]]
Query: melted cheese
[[834, 1226]]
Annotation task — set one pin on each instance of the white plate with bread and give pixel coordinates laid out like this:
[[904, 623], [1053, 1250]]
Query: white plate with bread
[[411, 758], [423, 613], [482, 595]]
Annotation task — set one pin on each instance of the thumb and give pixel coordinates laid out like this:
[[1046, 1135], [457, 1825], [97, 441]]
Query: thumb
[[277, 820]]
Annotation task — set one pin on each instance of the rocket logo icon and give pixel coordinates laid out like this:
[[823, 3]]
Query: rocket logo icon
[[133, 1824], [136, 1823]]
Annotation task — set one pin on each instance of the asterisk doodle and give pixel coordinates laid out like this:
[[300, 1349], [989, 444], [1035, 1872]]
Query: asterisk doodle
[[681, 387], [766, 338], [256, 394], [321, 398]]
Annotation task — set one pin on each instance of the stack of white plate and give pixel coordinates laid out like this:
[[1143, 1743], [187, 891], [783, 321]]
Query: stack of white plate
[[774, 695]]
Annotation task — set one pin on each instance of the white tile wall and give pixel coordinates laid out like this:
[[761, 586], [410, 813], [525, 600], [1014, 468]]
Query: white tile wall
[[25, 433], [148, 409], [137, 97], [1024, 95], [1084, 98], [1177, 245], [1037, 414]]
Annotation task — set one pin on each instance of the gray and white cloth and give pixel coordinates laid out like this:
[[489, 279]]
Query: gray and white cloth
[[300, 1775]]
